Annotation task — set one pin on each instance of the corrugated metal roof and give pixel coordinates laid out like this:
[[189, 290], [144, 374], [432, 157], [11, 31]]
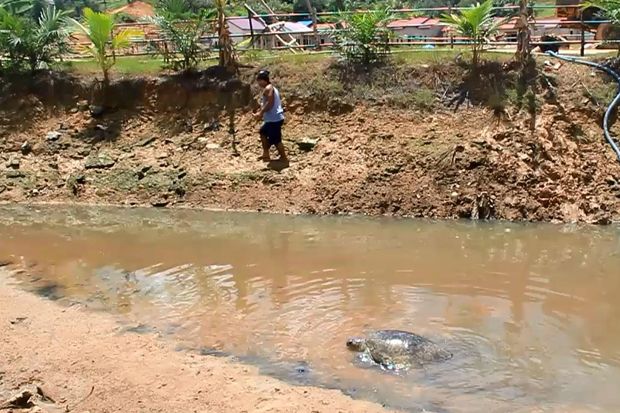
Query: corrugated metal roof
[[244, 24]]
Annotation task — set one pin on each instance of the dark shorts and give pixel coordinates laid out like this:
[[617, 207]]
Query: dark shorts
[[273, 132]]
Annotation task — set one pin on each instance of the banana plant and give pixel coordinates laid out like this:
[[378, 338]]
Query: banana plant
[[228, 57], [99, 28]]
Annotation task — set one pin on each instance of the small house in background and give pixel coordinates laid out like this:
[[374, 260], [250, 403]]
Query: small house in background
[[287, 34], [240, 28], [559, 27], [325, 30], [416, 28]]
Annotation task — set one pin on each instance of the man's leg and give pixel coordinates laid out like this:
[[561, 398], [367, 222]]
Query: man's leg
[[281, 152], [265, 144], [278, 141]]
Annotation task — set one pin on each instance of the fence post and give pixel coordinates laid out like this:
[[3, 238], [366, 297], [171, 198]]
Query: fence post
[[315, 32], [583, 36], [451, 32], [251, 28]]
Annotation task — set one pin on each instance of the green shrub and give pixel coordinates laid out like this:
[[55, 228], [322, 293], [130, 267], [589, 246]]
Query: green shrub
[[364, 40], [32, 44]]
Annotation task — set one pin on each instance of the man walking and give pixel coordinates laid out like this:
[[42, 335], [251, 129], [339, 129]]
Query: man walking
[[272, 114]]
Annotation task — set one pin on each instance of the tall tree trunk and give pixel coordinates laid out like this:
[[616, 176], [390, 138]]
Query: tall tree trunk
[[523, 34], [312, 11], [227, 53]]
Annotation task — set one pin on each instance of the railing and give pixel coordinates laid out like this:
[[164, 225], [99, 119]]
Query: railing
[[306, 40]]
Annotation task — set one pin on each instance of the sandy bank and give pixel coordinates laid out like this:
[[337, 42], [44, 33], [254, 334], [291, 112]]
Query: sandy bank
[[82, 362]]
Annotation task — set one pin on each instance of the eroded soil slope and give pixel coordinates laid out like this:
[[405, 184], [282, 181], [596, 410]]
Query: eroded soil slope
[[381, 143]]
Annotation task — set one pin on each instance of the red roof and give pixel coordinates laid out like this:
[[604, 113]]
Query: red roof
[[325, 26], [508, 24], [414, 22]]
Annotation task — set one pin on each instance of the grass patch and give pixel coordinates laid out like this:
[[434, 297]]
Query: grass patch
[[601, 94], [422, 98], [545, 13], [281, 56], [145, 65], [426, 56], [129, 65]]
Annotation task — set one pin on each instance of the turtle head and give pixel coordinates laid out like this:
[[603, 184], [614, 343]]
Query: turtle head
[[356, 344]]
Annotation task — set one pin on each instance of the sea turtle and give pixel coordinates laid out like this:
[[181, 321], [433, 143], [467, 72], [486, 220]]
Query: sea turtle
[[397, 350]]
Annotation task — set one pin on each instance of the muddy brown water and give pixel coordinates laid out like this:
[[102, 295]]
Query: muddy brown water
[[531, 312]]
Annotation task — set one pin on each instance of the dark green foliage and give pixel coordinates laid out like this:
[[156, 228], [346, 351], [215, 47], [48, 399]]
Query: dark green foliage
[[31, 43], [183, 30], [364, 39], [286, 6]]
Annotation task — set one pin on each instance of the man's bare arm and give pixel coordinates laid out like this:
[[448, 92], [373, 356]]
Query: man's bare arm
[[270, 100]]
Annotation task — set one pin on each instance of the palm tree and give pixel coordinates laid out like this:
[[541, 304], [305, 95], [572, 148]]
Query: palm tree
[[365, 38], [16, 7], [477, 24], [183, 30], [34, 43], [99, 28]]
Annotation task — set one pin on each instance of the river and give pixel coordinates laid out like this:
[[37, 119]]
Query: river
[[530, 311]]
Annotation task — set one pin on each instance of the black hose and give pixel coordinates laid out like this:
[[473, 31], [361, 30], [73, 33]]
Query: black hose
[[613, 103]]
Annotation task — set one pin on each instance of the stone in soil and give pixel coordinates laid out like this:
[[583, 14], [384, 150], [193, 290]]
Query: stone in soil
[[146, 141], [13, 163], [99, 161], [53, 136], [307, 144], [15, 174], [26, 148]]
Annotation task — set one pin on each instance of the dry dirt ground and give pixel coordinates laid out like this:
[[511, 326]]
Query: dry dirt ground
[[384, 143], [67, 359]]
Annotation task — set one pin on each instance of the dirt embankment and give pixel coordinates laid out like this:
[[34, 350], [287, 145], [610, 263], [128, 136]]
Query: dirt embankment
[[50, 364], [384, 142]]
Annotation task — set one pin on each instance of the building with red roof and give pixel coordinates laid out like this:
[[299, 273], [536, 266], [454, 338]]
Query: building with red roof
[[417, 28]]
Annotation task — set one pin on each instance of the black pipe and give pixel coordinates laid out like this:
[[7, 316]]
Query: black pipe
[[613, 103]]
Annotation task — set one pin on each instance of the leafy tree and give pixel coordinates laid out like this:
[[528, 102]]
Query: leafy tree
[[176, 9], [477, 24], [99, 28], [300, 6], [609, 8], [365, 37], [16, 7], [604, 9], [32, 43], [496, 3], [75, 7]]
